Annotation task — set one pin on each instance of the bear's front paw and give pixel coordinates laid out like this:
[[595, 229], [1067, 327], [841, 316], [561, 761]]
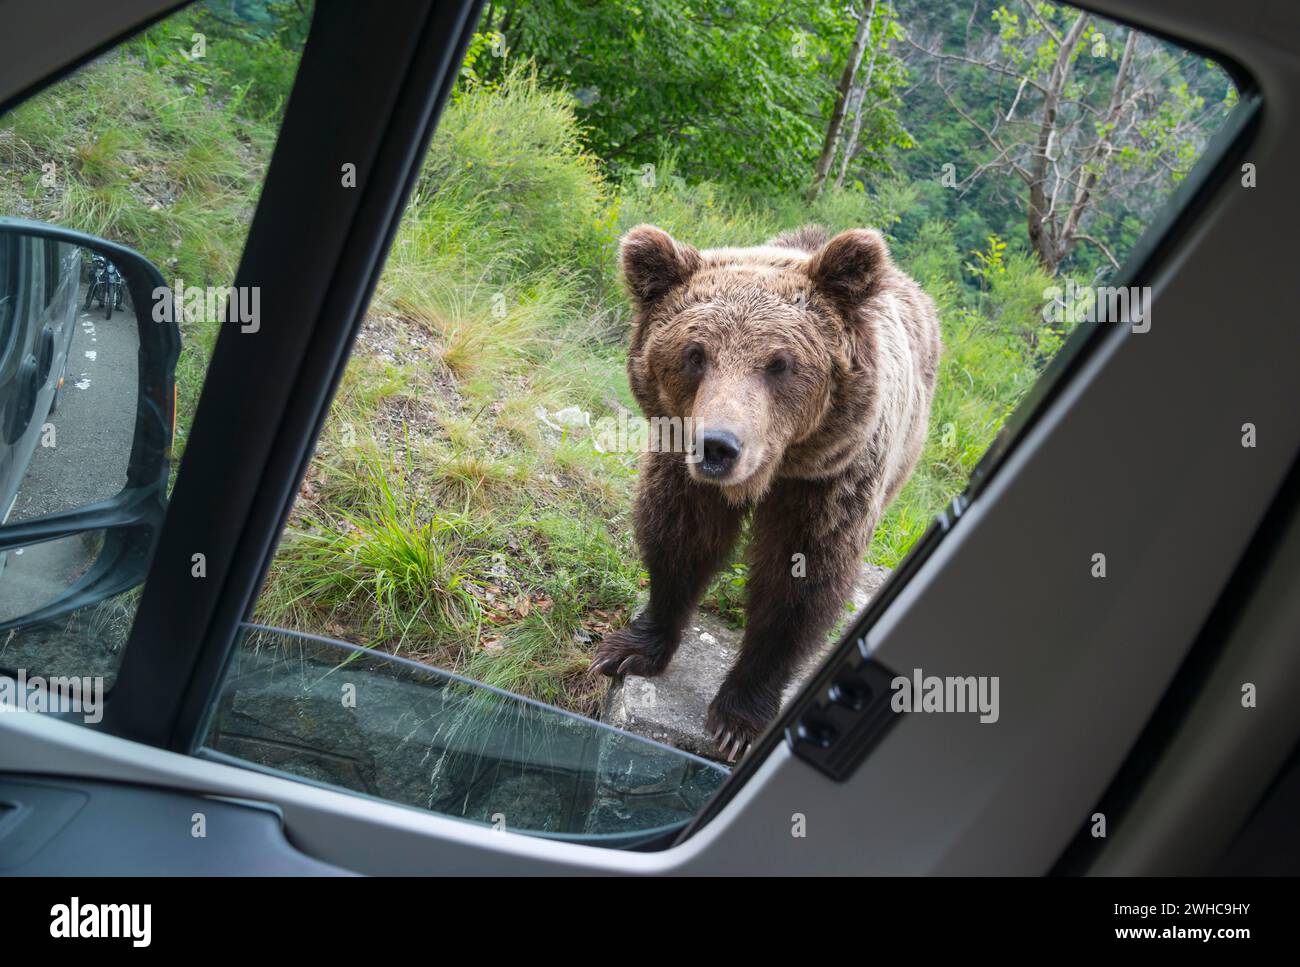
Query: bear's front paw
[[639, 648], [735, 719]]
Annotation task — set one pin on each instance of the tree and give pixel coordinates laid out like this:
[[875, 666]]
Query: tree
[[1077, 116], [882, 36], [843, 93], [734, 91]]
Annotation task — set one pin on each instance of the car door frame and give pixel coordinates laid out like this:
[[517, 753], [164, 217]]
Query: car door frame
[[940, 793]]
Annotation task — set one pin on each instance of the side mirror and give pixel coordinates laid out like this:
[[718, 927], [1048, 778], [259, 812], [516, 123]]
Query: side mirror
[[88, 355]]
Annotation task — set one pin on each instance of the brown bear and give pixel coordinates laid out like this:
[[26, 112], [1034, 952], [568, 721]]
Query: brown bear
[[804, 370]]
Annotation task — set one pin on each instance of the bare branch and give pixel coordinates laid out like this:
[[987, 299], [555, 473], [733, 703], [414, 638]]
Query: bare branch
[[1110, 256], [987, 65]]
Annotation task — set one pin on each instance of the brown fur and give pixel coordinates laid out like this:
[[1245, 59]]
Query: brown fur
[[819, 357]]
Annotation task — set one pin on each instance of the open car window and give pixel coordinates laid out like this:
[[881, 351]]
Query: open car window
[[471, 501], [455, 618]]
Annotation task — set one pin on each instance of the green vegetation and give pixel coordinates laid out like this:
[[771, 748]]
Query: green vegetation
[[745, 83], [455, 512]]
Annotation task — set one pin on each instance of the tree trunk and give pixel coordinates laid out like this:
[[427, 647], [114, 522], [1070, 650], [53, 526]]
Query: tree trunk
[[1041, 238], [1095, 164], [841, 97], [863, 90]]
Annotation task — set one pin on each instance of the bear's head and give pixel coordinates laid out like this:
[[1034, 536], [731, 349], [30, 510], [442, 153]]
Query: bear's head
[[750, 348]]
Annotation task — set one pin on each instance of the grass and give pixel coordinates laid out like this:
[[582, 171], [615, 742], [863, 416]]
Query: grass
[[410, 571], [442, 517]]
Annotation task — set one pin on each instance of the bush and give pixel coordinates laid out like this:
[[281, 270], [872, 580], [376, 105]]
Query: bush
[[511, 154]]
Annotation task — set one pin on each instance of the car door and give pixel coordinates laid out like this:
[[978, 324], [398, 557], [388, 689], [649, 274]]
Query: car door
[[14, 333], [35, 339], [1131, 449]]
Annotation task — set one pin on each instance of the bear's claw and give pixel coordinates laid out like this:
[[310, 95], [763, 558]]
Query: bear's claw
[[737, 744], [637, 649], [735, 723]]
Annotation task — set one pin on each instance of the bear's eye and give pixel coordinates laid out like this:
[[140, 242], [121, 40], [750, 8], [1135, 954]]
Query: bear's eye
[[778, 365], [695, 357]]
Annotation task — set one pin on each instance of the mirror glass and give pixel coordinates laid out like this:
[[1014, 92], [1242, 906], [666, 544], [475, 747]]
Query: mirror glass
[[69, 358], [87, 640], [35, 576]]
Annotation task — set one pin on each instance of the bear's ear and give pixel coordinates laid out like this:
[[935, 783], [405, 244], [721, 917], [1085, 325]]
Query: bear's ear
[[849, 266], [653, 262]]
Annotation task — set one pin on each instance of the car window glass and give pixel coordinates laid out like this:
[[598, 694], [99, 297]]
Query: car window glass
[[403, 731], [604, 476]]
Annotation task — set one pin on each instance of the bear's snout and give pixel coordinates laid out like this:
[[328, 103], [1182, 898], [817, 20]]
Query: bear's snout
[[720, 450], [731, 433]]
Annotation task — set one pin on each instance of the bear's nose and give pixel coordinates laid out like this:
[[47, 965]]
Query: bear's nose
[[720, 452]]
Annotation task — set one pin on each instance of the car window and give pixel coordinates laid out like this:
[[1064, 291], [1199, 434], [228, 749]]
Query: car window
[[404, 731], [490, 496], [696, 318], [50, 270], [161, 145]]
